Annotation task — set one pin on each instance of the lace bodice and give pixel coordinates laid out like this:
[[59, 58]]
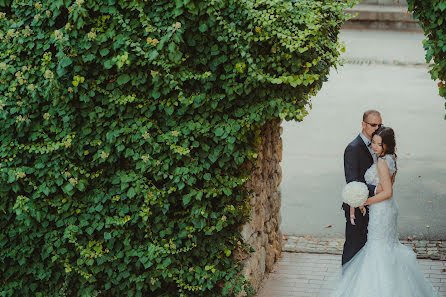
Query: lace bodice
[[371, 175], [383, 215]]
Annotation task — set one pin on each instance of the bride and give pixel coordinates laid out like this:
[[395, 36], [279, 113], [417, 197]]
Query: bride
[[383, 267]]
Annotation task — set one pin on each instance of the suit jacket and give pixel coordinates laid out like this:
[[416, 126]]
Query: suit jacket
[[357, 159]]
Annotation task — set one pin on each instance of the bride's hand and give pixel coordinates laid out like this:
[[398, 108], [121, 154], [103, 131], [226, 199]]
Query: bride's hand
[[363, 210]]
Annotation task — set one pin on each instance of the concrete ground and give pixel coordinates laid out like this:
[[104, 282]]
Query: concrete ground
[[385, 71], [312, 275]]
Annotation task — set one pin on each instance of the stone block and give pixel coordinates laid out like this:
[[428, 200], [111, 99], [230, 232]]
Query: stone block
[[270, 257], [279, 149], [247, 231], [278, 248], [264, 239], [262, 232], [279, 175], [272, 236]]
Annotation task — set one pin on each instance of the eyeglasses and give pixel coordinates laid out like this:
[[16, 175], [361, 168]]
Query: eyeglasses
[[374, 125]]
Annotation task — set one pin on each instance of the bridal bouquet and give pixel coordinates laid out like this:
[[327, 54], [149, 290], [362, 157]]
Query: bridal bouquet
[[355, 193]]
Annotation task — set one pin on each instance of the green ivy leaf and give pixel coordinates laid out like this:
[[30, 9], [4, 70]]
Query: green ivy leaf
[[107, 236], [203, 27], [219, 132], [186, 199], [104, 52], [123, 79], [67, 188], [108, 64], [65, 62]]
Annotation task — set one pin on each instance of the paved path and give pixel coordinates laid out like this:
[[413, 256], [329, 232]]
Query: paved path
[[307, 275], [383, 47]]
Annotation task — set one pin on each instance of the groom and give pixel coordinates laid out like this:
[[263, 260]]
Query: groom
[[357, 159]]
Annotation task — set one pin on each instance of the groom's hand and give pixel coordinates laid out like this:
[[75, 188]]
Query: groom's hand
[[352, 219]]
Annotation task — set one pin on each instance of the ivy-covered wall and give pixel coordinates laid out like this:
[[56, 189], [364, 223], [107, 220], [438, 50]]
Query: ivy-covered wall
[[431, 15], [262, 232], [128, 132]]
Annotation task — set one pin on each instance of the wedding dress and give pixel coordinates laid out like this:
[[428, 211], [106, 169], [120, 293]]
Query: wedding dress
[[383, 267]]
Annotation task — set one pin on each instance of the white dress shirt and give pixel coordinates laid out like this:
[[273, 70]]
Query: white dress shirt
[[367, 144], [369, 147]]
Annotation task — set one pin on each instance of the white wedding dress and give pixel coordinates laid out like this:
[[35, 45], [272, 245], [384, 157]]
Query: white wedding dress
[[383, 267]]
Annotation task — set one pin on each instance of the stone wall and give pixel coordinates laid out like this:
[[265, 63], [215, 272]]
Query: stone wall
[[263, 232]]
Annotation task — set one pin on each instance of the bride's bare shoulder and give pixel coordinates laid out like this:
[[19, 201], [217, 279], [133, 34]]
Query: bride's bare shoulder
[[382, 163]]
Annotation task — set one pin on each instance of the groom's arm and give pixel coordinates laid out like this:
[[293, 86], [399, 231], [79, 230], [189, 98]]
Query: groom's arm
[[351, 167], [351, 164], [372, 190]]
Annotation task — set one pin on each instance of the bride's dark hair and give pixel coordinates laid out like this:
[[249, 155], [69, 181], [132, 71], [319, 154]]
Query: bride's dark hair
[[388, 139]]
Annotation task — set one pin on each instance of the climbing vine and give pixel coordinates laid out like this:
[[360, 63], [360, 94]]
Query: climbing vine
[[126, 128], [431, 15]]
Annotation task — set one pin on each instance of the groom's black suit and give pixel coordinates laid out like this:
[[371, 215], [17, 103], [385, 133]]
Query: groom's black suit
[[357, 159]]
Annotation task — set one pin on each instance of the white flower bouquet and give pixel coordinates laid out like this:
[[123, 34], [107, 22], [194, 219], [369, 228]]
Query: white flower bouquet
[[355, 193]]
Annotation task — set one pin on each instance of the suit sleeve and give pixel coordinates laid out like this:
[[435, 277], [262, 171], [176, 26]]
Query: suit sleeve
[[351, 168], [351, 164], [371, 190]]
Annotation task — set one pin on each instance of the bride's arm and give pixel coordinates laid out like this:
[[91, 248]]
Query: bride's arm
[[386, 182]]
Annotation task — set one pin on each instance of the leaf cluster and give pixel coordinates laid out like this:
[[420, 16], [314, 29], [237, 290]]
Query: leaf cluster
[[126, 128], [431, 15]]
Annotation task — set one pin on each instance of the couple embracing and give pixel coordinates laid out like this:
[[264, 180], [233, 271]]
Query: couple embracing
[[374, 262]]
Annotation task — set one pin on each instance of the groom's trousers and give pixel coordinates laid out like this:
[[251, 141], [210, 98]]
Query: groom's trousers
[[355, 235]]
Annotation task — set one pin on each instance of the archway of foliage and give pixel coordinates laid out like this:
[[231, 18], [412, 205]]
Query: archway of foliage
[[431, 15], [127, 134]]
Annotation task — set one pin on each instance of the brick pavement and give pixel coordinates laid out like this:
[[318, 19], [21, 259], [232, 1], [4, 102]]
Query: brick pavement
[[308, 275]]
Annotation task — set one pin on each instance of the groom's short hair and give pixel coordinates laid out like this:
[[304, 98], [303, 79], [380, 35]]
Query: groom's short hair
[[370, 112]]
